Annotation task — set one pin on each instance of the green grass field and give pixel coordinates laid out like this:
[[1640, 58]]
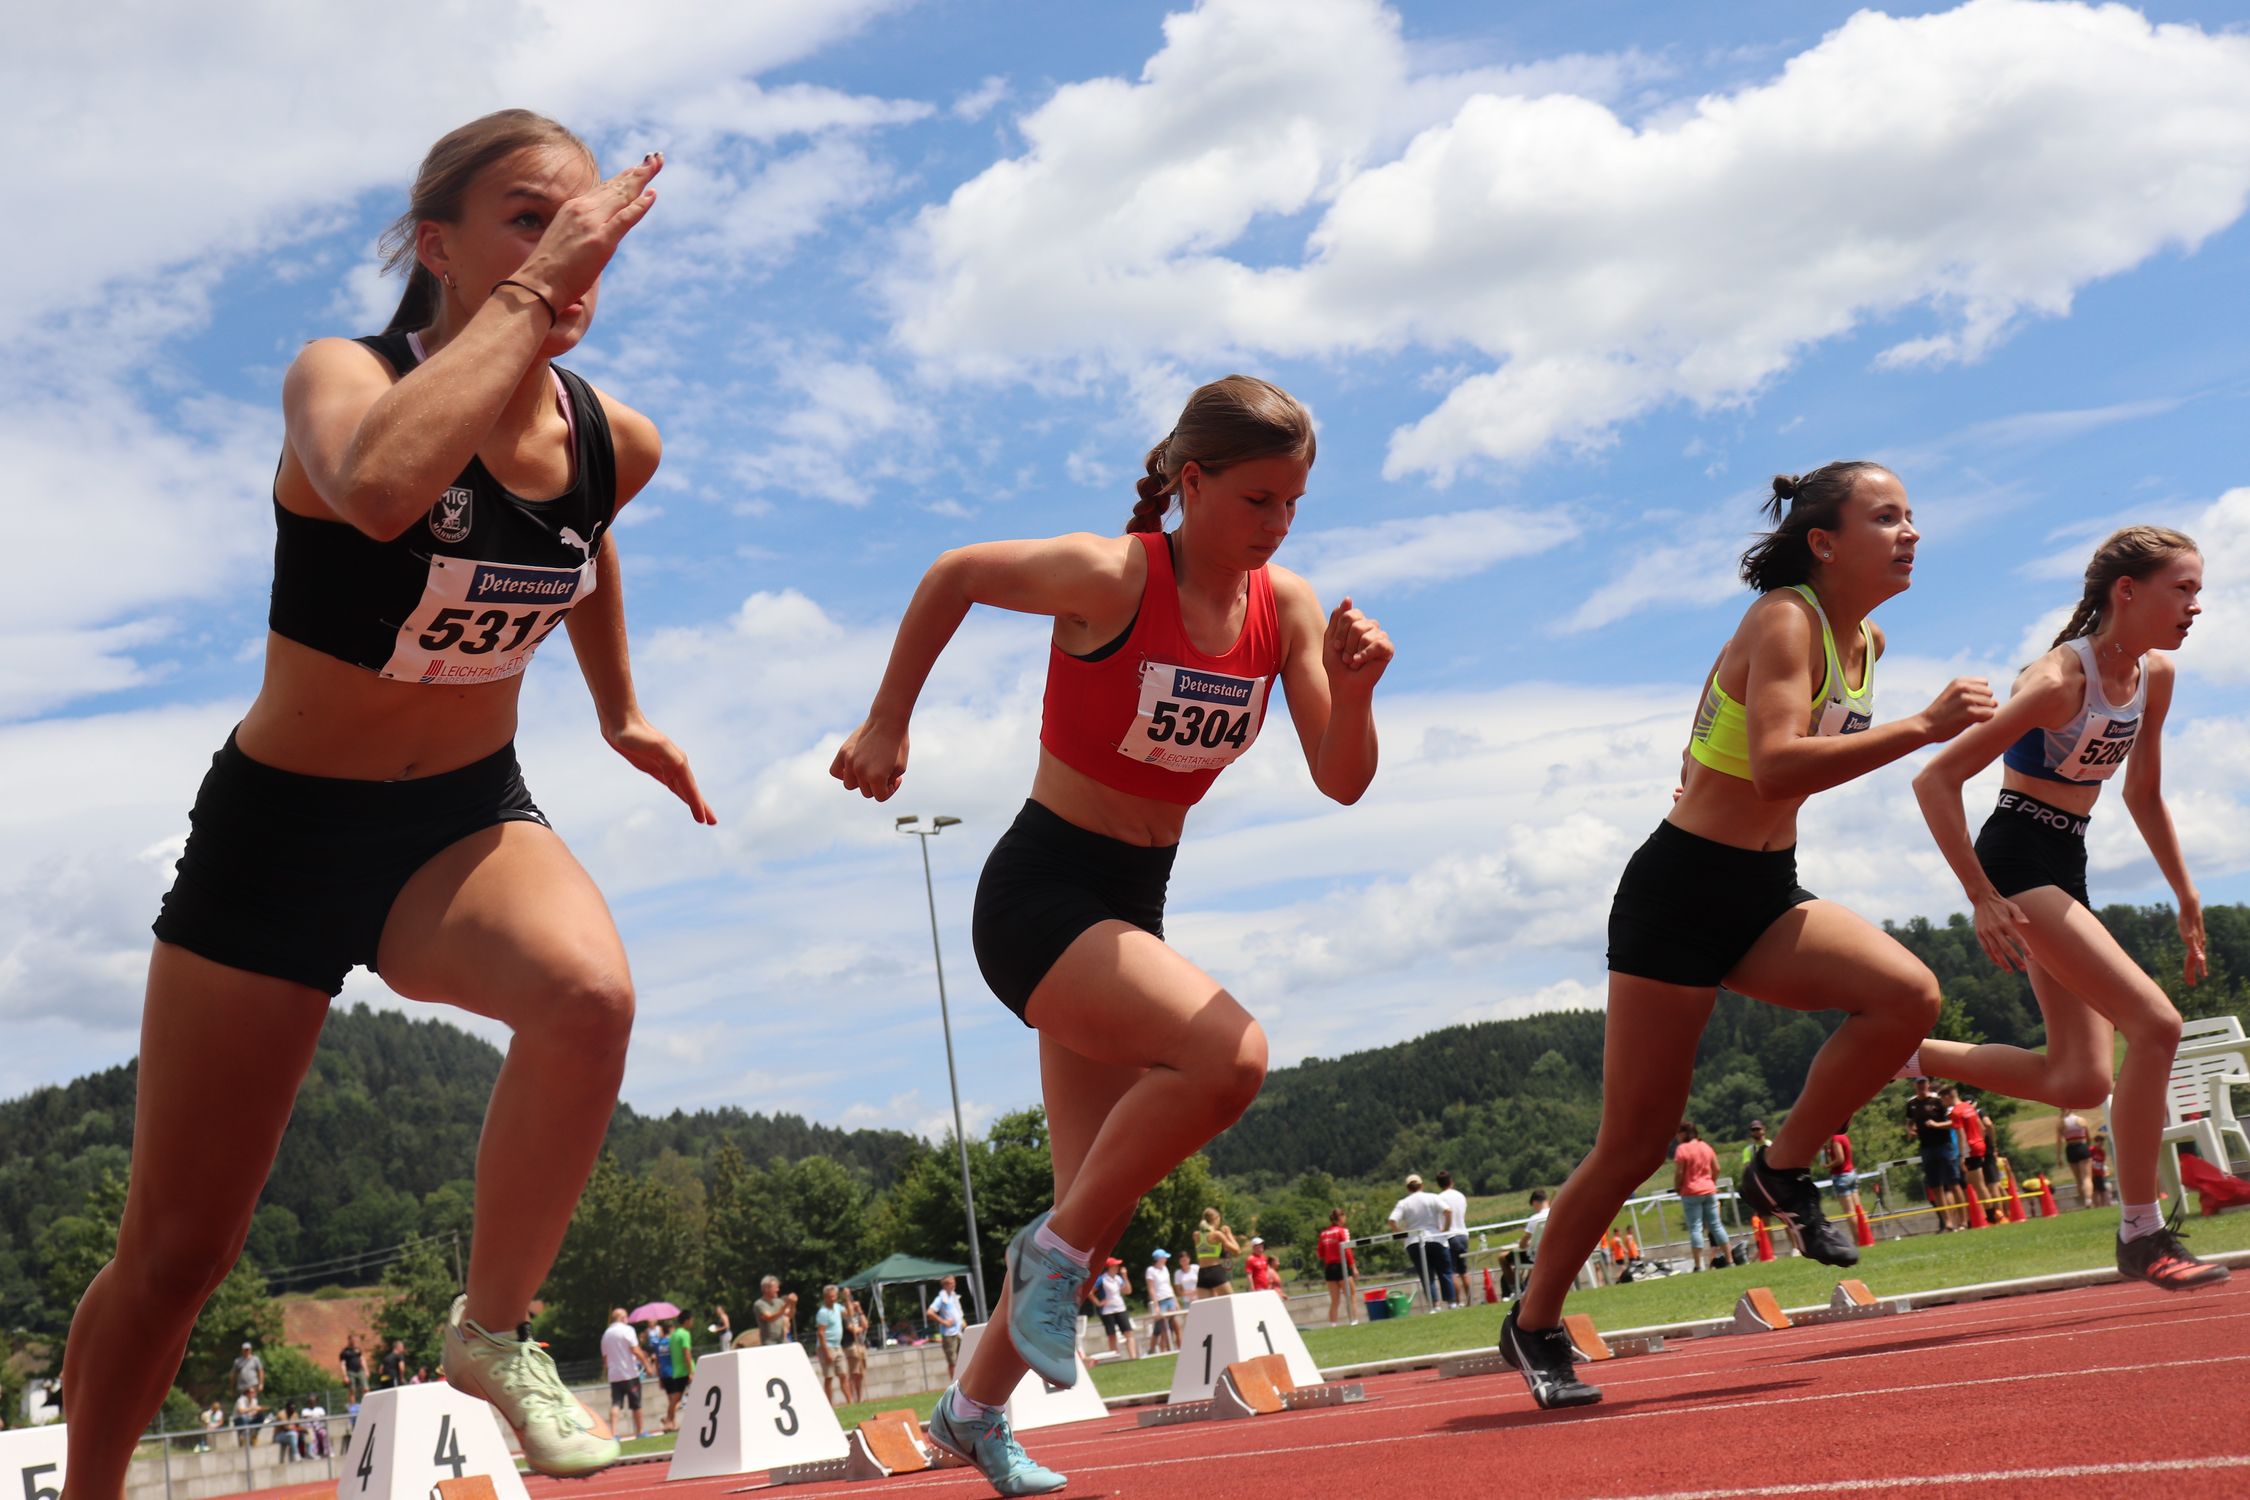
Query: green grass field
[[2038, 1247]]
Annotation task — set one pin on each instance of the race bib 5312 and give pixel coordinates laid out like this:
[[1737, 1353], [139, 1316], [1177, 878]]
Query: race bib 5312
[[1192, 720], [480, 621]]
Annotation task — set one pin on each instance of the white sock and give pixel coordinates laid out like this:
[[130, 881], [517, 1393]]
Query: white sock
[[967, 1408], [2139, 1219], [1054, 1244]]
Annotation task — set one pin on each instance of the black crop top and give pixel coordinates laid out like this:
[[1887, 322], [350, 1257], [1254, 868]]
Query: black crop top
[[466, 594]]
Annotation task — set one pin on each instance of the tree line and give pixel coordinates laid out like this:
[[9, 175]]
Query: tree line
[[373, 1179]]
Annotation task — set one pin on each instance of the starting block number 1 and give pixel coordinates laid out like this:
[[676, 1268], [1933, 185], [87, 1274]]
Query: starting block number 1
[[754, 1409], [1226, 1330]]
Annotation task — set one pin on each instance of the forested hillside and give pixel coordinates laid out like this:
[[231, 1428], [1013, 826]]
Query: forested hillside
[[697, 1206]]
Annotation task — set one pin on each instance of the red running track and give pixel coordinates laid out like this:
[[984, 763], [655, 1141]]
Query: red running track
[[2115, 1390]]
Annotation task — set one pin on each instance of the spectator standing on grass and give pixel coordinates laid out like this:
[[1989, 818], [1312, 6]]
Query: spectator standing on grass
[[1995, 1180], [627, 1365], [1214, 1242], [828, 1343], [1973, 1143], [774, 1313], [1186, 1277], [2075, 1143], [2098, 1161], [1456, 1205], [1264, 1275], [944, 1312], [1932, 1123], [353, 1361], [1337, 1265], [855, 1348], [394, 1364], [676, 1369], [1695, 1177], [1420, 1218], [1841, 1175], [1109, 1300], [1757, 1139], [1163, 1302]]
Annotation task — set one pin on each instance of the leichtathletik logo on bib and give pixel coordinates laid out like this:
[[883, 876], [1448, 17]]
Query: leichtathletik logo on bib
[[1192, 720], [453, 514]]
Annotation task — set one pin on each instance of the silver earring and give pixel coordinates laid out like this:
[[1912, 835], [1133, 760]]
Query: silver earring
[[447, 278]]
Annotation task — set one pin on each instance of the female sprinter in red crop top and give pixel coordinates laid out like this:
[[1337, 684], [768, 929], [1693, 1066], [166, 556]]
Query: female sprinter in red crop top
[[1165, 649], [443, 503]]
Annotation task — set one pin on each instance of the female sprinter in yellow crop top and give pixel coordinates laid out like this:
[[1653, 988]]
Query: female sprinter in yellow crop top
[[1713, 895]]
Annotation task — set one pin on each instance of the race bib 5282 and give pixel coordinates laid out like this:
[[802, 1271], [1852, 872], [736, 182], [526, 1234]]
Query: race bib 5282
[[480, 621], [1192, 720]]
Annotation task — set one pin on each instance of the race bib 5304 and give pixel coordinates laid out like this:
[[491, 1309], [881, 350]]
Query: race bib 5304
[[480, 621], [1191, 720]]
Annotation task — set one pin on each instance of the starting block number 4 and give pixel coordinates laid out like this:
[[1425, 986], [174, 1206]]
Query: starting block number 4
[[1226, 1330], [1034, 1404], [411, 1437], [754, 1409], [31, 1462]]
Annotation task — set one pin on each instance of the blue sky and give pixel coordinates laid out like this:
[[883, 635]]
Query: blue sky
[[1562, 284]]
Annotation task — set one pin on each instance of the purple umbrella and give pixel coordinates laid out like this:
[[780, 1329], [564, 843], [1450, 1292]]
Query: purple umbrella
[[648, 1310]]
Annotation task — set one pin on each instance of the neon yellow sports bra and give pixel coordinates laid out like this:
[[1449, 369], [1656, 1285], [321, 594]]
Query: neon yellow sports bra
[[1722, 730]]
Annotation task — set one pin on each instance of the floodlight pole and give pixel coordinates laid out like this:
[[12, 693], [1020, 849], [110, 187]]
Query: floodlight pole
[[952, 1078]]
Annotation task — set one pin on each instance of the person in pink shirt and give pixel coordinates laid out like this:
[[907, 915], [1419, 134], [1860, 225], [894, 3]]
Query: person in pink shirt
[[1695, 1177]]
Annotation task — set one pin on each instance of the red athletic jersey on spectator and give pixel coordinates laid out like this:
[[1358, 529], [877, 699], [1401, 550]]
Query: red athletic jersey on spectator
[[1972, 1133], [1844, 1148], [1332, 1243], [1263, 1277]]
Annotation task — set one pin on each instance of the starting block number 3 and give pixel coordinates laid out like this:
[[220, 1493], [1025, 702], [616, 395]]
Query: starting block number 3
[[758, 1409]]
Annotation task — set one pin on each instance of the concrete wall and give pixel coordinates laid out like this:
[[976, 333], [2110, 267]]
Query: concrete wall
[[229, 1469]]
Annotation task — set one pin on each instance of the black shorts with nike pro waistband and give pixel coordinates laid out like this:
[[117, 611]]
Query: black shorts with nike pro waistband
[[293, 875], [2026, 844], [1044, 884]]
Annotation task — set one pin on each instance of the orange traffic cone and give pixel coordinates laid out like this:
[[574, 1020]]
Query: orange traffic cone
[[1763, 1240], [1863, 1233], [2015, 1200], [2047, 1196], [1977, 1220], [1491, 1292]]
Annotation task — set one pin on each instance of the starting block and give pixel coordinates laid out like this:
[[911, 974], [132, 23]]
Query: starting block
[[1849, 1302], [885, 1444], [1584, 1344], [473, 1487], [1257, 1387], [1757, 1312]]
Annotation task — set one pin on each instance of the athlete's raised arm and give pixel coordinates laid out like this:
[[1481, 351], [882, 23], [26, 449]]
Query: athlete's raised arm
[[2043, 697], [1330, 675], [1063, 576], [1786, 759], [377, 450]]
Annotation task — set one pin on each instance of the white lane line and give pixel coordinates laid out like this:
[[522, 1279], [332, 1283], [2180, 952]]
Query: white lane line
[[1948, 1481]]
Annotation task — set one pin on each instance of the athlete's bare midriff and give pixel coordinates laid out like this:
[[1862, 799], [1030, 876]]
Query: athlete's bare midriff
[[319, 716], [1078, 798], [1728, 810]]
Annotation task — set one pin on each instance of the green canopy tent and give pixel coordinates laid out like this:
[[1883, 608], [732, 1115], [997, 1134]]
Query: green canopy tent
[[897, 1270]]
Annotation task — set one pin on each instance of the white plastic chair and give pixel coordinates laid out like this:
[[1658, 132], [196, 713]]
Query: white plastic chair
[[2199, 1107]]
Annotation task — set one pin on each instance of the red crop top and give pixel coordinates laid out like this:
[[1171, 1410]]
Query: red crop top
[[1152, 716]]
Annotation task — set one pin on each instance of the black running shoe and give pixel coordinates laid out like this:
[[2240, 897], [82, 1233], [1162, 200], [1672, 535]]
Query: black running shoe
[[2162, 1261], [1548, 1363], [1792, 1200]]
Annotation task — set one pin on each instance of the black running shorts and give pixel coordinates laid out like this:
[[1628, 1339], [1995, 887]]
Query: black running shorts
[[1046, 882], [2026, 844], [293, 875], [1687, 909]]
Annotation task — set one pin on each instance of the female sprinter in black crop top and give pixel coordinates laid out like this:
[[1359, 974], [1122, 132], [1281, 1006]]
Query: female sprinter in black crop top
[[362, 815], [1143, 1057]]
